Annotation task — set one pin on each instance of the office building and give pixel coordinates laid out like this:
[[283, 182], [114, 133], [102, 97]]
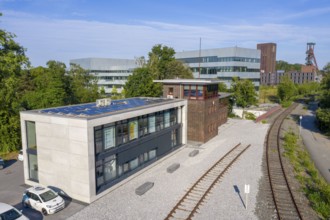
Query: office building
[[109, 72], [223, 64], [85, 149]]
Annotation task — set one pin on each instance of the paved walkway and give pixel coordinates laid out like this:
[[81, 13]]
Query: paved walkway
[[317, 144], [227, 200]]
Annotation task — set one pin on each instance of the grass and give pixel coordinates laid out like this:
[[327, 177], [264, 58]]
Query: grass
[[268, 94], [316, 189], [9, 156]]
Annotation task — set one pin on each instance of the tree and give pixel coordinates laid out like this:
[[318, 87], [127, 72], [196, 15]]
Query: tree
[[325, 97], [12, 64], [243, 92], [286, 90], [159, 57], [161, 65], [283, 65], [83, 86], [222, 87], [176, 69], [140, 83]]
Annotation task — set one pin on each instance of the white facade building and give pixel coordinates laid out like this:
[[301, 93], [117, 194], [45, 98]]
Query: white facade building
[[85, 149], [223, 64], [109, 72]]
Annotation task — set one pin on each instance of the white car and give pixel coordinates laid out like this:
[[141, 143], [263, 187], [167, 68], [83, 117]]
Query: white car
[[43, 199], [9, 212], [20, 155]]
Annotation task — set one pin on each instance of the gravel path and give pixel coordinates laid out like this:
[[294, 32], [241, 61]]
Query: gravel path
[[224, 202]]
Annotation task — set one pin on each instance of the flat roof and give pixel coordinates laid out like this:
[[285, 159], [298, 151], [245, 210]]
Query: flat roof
[[190, 81], [89, 110]]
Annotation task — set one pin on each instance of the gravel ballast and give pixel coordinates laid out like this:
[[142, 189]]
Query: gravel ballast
[[224, 201]]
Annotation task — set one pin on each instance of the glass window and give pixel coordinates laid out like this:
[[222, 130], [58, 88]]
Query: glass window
[[126, 167], [110, 170], [99, 174], [109, 137], [125, 132], [159, 121], [200, 91], [173, 117], [120, 170], [152, 123], [152, 154], [31, 134], [133, 129], [174, 138], [167, 118], [193, 91], [134, 164], [33, 167], [186, 90], [143, 126], [98, 141], [146, 156]]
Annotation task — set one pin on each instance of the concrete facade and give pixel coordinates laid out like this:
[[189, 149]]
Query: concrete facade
[[66, 156], [223, 64]]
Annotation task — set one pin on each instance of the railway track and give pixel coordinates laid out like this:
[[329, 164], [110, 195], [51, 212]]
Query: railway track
[[195, 196], [285, 204]]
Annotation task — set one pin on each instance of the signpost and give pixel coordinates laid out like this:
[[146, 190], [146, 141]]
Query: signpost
[[246, 191], [300, 118]]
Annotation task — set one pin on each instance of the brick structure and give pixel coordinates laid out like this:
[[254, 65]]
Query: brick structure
[[207, 110], [267, 63]]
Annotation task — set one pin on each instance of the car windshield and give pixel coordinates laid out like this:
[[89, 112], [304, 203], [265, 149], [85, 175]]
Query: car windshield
[[10, 214], [48, 195]]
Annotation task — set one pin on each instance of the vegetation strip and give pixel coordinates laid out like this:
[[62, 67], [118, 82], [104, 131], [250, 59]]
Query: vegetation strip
[[316, 189]]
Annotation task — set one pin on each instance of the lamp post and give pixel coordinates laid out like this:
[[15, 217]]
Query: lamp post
[[300, 119]]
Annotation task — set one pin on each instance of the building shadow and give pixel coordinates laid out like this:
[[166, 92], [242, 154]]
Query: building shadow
[[239, 194]]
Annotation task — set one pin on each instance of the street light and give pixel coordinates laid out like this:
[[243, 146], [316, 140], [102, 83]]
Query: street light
[[300, 118]]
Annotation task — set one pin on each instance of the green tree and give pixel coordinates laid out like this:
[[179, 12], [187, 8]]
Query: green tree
[[140, 83], [283, 65], [50, 86], [83, 86], [159, 57], [115, 94], [12, 64], [286, 90], [176, 69], [244, 92], [222, 87]]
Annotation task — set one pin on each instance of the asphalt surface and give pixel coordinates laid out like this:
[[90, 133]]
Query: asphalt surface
[[317, 144], [12, 188]]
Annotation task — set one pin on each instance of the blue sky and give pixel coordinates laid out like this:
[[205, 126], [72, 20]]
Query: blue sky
[[68, 29]]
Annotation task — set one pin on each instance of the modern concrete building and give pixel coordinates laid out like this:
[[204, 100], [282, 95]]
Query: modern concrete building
[[109, 72], [223, 64], [267, 63], [207, 109], [85, 149]]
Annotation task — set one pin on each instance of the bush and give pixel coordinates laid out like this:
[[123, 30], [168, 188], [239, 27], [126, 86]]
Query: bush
[[249, 116]]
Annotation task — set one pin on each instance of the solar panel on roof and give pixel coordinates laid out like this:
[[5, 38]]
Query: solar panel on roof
[[91, 109]]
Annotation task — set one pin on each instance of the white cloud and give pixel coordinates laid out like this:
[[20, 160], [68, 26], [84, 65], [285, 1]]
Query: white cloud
[[62, 40]]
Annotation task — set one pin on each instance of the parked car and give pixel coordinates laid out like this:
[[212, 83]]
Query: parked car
[[43, 199], [20, 155], [10, 212], [2, 163]]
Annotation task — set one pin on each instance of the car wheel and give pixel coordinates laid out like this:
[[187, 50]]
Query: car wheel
[[44, 212], [1, 167]]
